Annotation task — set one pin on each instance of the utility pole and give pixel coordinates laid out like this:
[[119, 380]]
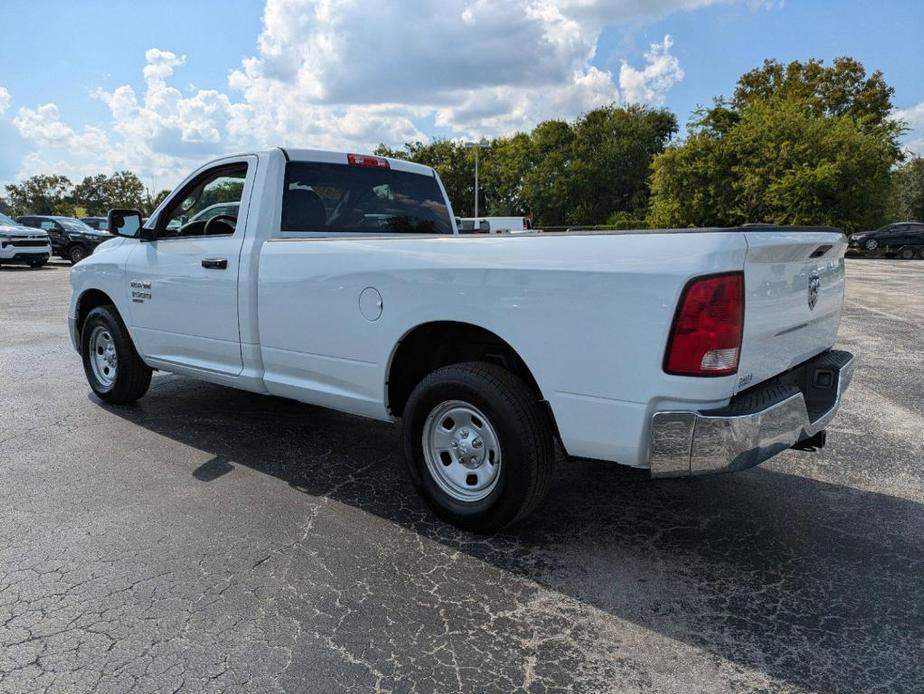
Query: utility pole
[[481, 144]]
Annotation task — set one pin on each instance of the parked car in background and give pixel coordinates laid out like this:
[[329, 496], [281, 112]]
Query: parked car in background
[[70, 238], [98, 223], [345, 283], [468, 226], [22, 244], [904, 240], [497, 225]]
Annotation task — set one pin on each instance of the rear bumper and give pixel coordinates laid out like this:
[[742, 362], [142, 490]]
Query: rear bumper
[[756, 425]]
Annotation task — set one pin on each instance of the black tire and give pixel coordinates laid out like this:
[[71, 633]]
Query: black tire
[[76, 253], [906, 253], [921, 253], [133, 376], [37, 263], [524, 433]]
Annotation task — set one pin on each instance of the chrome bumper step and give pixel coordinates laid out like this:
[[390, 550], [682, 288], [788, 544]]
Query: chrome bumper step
[[756, 425]]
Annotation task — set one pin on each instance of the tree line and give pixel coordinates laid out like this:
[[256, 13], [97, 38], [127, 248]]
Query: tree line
[[92, 197], [800, 143], [797, 143]]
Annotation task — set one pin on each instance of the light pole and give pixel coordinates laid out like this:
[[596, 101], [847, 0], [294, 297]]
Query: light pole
[[481, 144]]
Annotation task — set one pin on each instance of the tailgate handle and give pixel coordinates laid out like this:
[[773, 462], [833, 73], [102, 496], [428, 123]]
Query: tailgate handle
[[820, 251], [215, 263]]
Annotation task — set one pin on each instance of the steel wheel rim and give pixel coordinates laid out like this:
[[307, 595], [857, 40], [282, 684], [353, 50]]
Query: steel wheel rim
[[104, 360], [462, 451]]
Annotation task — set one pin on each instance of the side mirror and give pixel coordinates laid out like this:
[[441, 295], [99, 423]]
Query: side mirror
[[125, 223]]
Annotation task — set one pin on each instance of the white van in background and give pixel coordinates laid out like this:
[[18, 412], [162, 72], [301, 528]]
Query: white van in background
[[496, 225]]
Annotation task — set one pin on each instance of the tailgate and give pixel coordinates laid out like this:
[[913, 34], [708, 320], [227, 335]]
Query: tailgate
[[794, 284]]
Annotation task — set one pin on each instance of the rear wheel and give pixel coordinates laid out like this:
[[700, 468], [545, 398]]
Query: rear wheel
[[76, 253], [113, 368], [906, 252], [478, 445]]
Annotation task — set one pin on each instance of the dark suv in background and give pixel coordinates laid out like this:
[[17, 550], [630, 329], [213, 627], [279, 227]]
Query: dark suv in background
[[902, 239], [71, 239], [98, 223]]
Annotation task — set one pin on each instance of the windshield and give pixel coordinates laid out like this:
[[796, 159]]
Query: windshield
[[74, 224], [6, 220]]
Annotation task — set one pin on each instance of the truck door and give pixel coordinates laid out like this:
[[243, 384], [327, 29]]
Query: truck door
[[184, 284]]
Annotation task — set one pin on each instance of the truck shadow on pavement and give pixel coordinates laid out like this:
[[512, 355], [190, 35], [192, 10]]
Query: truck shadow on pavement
[[815, 585]]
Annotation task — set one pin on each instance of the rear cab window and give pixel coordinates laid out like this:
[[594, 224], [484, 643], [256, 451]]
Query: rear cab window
[[342, 198]]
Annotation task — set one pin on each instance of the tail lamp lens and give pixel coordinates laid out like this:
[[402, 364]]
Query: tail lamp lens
[[706, 336]]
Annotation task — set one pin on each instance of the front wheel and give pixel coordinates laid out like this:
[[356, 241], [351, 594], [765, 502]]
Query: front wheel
[[76, 253], [478, 445], [37, 263], [871, 244], [113, 368]]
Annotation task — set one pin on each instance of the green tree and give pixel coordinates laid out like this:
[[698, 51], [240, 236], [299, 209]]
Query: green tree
[[99, 194], [843, 89], [906, 201], [152, 201], [502, 170], [562, 173], [41, 194], [548, 183], [797, 144], [125, 190], [612, 153], [451, 160]]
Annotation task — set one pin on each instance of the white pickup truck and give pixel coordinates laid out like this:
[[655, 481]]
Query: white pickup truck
[[342, 281], [21, 244]]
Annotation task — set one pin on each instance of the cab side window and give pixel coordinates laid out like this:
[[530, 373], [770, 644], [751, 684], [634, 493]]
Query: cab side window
[[209, 206]]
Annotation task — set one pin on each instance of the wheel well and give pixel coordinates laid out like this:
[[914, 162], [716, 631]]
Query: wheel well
[[89, 300], [433, 345]]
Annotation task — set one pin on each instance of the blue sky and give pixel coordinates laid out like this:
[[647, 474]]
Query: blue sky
[[158, 87]]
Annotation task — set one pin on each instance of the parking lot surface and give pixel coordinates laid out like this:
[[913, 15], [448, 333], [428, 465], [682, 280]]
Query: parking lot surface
[[213, 540]]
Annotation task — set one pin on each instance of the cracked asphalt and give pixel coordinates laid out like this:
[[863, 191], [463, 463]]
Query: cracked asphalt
[[209, 540]]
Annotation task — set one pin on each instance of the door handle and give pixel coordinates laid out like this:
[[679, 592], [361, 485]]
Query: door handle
[[215, 263]]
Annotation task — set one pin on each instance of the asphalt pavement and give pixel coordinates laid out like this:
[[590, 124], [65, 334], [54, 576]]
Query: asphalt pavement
[[210, 540]]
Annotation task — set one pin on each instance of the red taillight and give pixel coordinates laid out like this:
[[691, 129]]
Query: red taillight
[[706, 336], [368, 160]]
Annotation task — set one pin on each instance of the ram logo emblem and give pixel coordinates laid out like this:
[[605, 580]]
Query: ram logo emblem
[[813, 284]]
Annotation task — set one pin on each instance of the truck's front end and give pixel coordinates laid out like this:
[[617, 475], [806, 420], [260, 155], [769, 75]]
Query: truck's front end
[[22, 245]]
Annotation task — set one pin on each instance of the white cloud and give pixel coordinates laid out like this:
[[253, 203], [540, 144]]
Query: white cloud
[[913, 116], [341, 74], [4, 101], [652, 82]]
